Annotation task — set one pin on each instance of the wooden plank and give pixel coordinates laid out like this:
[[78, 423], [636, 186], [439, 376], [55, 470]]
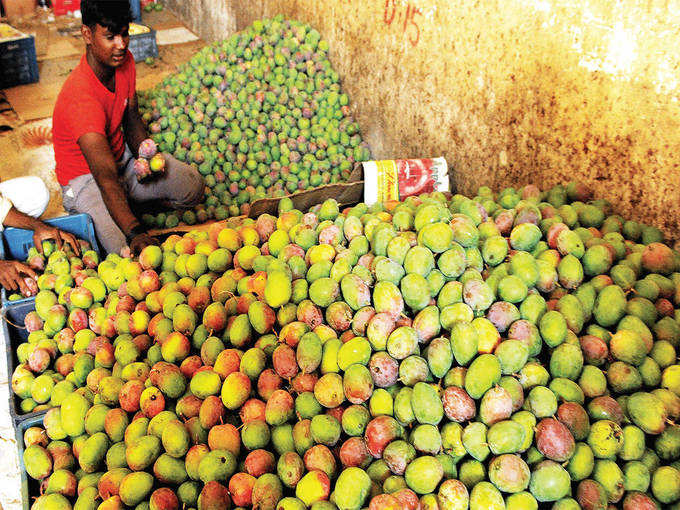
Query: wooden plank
[[232, 222]]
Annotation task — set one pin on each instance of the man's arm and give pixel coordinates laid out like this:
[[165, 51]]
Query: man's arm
[[102, 164], [133, 127]]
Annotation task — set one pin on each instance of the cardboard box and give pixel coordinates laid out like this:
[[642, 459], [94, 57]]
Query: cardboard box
[[17, 9]]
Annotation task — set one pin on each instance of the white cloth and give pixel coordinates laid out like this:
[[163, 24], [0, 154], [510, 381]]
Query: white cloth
[[28, 195]]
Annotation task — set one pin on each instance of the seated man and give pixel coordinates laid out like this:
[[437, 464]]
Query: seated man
[[97, 130], [22, 200]]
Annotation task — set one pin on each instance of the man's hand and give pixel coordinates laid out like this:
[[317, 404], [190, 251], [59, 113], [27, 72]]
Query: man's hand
[[141, 241], [12, 275], [45, 232]]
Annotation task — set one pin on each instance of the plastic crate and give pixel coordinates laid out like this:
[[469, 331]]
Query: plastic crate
[[16, 241], [63, 7], [143, 46], [18, 62], [29, 486], [15, 334]]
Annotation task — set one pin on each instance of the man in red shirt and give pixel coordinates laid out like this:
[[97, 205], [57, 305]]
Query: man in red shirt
[[97, 130]]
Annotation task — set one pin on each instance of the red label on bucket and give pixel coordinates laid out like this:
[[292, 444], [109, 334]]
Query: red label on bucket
[[396, 179]]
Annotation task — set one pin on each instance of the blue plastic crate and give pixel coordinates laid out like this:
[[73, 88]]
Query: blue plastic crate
[[18, 62], [143, 46], [29, 487], [13, 328], [16, 241]]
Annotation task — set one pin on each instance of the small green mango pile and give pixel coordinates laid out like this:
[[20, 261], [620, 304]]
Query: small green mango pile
[[507, 351], [259, 115]]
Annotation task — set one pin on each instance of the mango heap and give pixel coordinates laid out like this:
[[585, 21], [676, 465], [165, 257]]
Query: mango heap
[[57, 269], [260, 114], [501, 352]]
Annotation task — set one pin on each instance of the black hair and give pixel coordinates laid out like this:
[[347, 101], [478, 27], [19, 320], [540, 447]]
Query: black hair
[[112, 14]]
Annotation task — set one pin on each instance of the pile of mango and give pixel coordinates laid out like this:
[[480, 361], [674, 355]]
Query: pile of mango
[[259, 115], [508, 351], [56, 268]]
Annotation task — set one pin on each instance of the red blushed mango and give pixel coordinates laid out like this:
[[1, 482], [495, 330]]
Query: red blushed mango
[[78, 319], [253, 410], [265, 226], [259, 462], [148, 281], [336, 412], [241, 489], [151, 402], [143, 342], [407, 499], [185, 285], [185, 245], [130, 395], [190, 366], [257, 283], [105, 356], [261, 317], [168, 378], [64, 364], [199, 299], [292, 332], [290, 469], [380, 431], [225, 437], [320, 458], [188, 406], [193, 459], [227, 362], [213, 231], [339, 316], [228, 238], [268, 382], [211, 412], [109, 483], [235, 390], [354, 453], [304, 382], [347, 336], [384, 502], [175, 347], [214, 496], [65, 339], [139, 322], [309, 313], [658, 258], [285, 361], [215, 317], [280, 408], [126, 304], [164, 499], [243, 302], [152, 328], [575, 417], [361, 319]]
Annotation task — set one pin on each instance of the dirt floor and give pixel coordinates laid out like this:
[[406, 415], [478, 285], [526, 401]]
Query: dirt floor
[[25, 111]]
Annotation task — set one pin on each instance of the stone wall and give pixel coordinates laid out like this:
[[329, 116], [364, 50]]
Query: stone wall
[[510, 92]]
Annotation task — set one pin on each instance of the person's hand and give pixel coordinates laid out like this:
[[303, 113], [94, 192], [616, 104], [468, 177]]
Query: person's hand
[[46, 232], [141, 241], [12, 274]]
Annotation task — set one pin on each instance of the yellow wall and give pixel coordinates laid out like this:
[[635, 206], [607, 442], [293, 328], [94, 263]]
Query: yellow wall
[[510, 92]]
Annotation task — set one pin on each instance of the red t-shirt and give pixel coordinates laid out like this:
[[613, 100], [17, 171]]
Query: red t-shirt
[[85, 105]]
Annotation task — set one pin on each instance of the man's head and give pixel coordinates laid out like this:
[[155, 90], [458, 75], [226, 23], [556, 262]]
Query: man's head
[[105, 29]]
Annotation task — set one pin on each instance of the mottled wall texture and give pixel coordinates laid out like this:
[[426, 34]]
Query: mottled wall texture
[[509, 91]]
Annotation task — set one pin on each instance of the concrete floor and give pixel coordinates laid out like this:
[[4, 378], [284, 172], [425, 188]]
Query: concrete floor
[[25, 149]]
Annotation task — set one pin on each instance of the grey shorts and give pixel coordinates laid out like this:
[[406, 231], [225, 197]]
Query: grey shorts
[[181, 187]]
